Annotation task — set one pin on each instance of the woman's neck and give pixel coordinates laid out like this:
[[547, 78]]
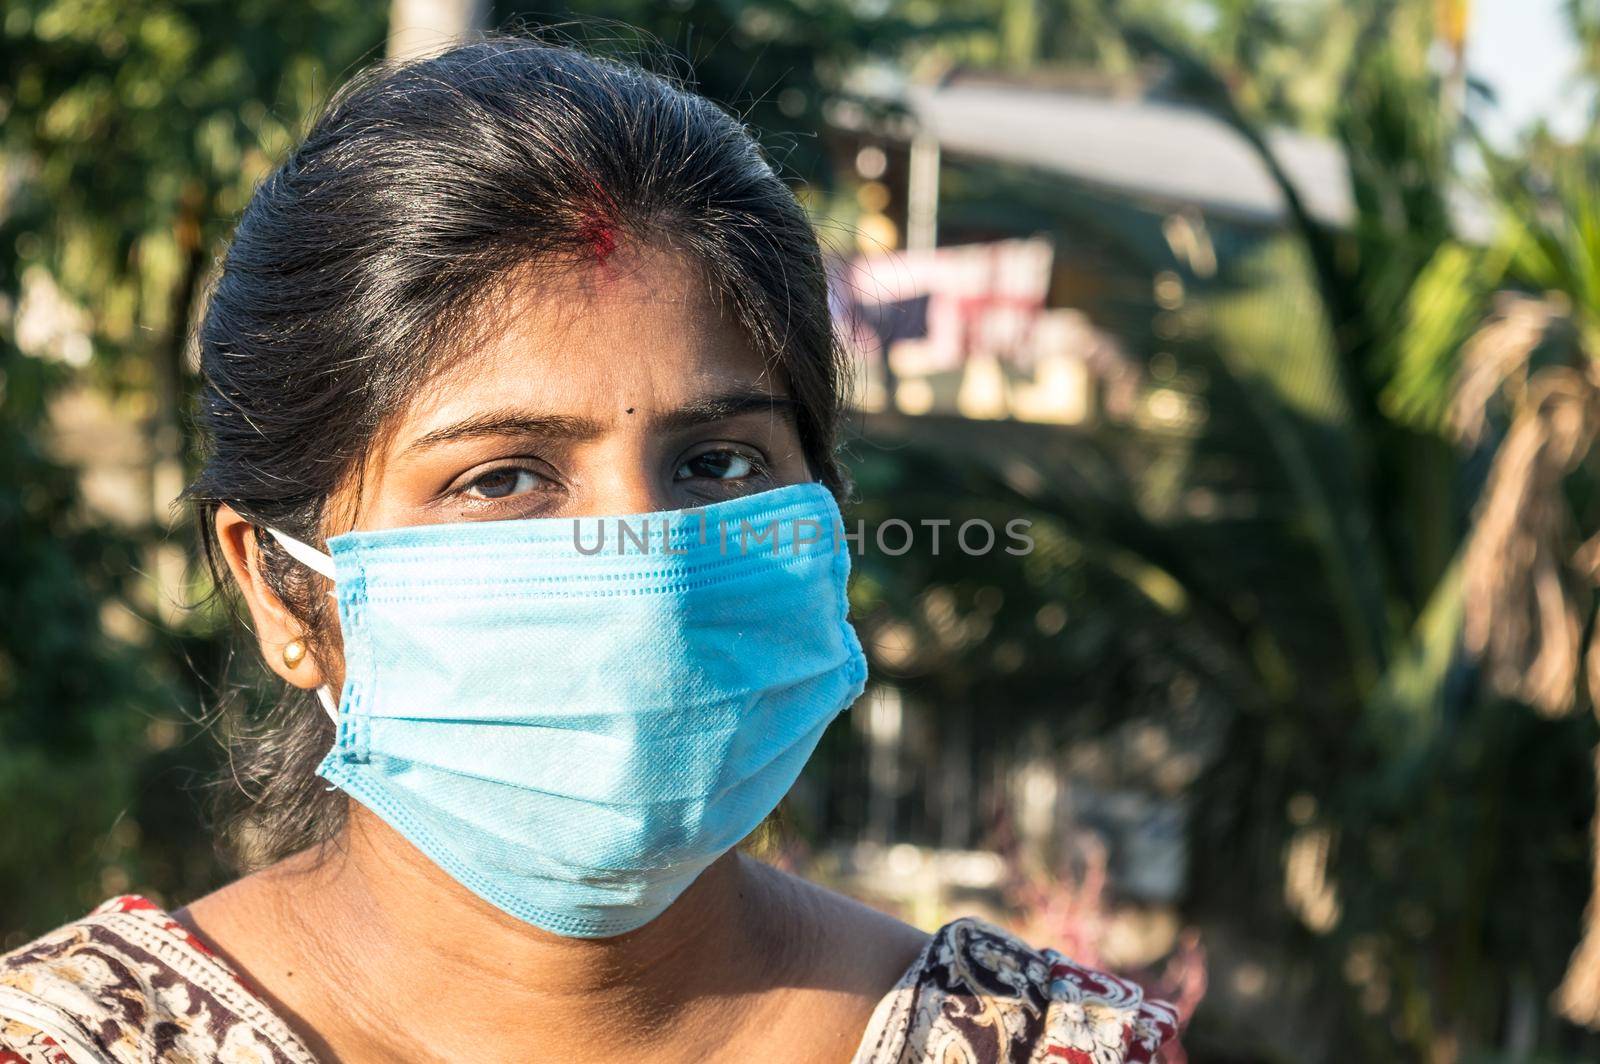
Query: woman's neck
[[379, 955]]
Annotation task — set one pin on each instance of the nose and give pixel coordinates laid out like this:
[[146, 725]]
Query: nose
[[627, 485]]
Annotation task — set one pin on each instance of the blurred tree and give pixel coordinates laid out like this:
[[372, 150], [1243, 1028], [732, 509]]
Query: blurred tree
[[133, 132], [1367, 819], [75, 704], [1528, 384], [1376, 747]]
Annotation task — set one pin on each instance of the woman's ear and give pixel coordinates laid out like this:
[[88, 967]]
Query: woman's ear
[[276, 628]]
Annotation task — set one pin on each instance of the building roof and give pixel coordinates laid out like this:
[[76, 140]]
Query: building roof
[[1143, 147], [1169, 152]]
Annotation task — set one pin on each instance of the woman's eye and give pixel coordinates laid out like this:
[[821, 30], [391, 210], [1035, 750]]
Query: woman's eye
[[503, 483], [716, 465]]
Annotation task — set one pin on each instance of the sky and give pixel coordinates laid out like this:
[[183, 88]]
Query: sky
[[1524, 49]]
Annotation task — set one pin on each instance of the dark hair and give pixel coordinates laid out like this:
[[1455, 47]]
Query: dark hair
[[419, 187]]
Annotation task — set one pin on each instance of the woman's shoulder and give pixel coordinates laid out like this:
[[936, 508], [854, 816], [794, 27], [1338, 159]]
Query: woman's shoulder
[[977, 992], [127, 982]]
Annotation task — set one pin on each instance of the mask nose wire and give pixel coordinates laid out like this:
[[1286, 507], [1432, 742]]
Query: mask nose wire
[[322, 564]]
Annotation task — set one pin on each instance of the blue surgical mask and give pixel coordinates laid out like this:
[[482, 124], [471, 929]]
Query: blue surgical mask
[[575, 717]]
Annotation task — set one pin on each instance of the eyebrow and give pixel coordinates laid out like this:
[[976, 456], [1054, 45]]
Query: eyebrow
[[701, 411], [510, 423], [713, 408]]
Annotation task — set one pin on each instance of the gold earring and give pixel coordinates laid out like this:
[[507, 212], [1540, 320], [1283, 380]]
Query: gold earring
[[294, 652]]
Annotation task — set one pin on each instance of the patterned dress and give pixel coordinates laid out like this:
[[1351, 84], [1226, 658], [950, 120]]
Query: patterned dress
[[128, 983]]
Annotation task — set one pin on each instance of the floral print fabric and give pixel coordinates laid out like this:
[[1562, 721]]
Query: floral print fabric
[[130, 985], [978, 995]]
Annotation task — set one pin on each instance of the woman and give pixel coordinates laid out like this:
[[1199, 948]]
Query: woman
[[521, 395]]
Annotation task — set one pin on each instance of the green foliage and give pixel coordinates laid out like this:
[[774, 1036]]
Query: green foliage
[[1550, 231], [132, 133], [138, 129], [1303, 545], [1441, 311], [70, 698]]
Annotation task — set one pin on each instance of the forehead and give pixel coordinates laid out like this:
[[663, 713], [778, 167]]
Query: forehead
[[640, 329]]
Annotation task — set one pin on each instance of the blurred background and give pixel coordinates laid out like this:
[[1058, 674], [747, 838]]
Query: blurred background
[[1278, 319]]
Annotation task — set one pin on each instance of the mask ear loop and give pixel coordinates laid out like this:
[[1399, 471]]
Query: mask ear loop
[[321, 564], [305, 554]]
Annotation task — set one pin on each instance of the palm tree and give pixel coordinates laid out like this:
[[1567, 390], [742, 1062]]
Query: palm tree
[[1299, 572], [1532, 375]]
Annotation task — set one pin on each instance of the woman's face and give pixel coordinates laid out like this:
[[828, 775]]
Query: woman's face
[[614, 388], [610, 389]]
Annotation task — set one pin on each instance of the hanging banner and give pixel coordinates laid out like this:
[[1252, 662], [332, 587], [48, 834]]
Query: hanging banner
[[963, 331]]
